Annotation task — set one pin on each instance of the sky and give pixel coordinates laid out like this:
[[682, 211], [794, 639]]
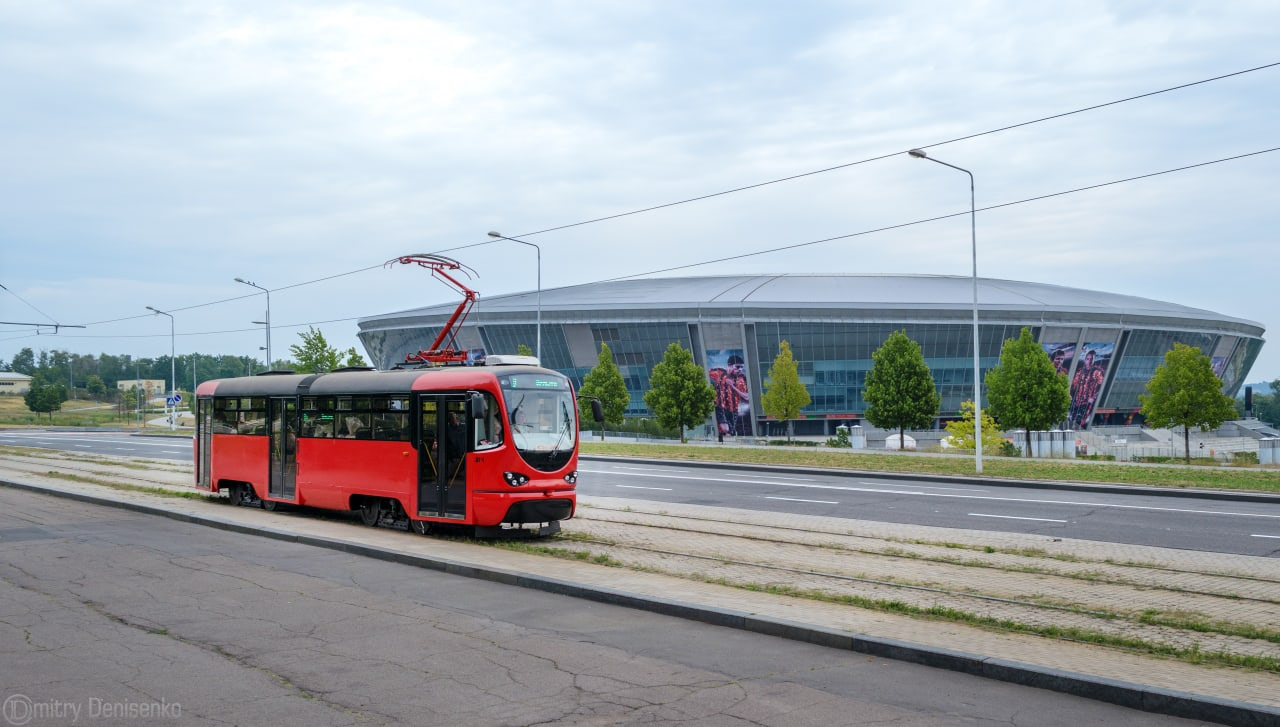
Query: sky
[[154, 152]]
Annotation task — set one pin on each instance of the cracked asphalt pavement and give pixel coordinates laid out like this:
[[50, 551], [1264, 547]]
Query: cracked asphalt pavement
[[152, 621]]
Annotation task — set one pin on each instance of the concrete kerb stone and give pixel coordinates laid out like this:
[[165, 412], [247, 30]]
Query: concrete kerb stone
[[1233, 495], [1137, 696]]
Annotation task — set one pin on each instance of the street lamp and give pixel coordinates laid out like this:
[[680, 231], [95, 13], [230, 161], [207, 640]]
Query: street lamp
[[267, 322], [173, 369], [500, 236], [977, 374]]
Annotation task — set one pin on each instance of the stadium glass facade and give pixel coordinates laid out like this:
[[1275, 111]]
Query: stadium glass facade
[[1107, 345]]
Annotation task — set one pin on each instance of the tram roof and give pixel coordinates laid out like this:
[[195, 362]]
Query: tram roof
[[364, 381]]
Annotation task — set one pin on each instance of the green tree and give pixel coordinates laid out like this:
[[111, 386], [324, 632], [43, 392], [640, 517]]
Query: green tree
[[1266, 407], [1025, 391], [680, 395], [129, 400], [523, 350], [354, 358], [95, 385], [24, 362], [44, 397], [961, 430], [314, 355], [784, 394], [1184, 392], [900, 391], [605, 383]]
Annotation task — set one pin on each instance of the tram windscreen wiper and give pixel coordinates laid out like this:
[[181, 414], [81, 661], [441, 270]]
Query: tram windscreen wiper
[[567, 425]]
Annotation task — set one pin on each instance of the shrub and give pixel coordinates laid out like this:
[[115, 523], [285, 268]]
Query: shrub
[[1244, 458]]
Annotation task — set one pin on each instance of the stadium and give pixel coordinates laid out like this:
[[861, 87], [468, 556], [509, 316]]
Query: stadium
[[1108, 344]]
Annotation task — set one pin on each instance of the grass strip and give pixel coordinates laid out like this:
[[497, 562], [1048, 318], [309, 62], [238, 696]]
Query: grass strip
[[1259, 479], [1192, 654]]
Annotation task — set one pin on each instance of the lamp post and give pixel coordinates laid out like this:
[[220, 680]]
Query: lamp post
[[500, 236], [267, 322], [173, 369], [977, 372]]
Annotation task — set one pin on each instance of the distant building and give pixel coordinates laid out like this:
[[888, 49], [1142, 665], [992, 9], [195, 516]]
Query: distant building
[[1107, 344], [151, 388], [12, 382]]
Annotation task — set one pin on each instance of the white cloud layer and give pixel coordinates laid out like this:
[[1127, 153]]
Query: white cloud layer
[[156, 151]]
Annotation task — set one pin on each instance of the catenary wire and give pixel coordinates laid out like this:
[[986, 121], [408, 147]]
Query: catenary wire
[[739, 256], [747, 187]]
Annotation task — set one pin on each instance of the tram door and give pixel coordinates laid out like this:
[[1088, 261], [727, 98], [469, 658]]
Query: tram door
[[204, 415], [442, 455], [281, 419]]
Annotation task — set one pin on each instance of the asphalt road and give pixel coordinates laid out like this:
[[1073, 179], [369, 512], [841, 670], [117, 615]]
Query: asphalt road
[[1134, 516], [108, 616]]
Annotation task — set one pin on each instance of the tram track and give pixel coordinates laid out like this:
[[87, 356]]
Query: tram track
[[102, 469], [1155, 604]]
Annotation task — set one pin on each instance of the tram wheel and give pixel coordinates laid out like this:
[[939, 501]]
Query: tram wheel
[[421, 527], [371, 511], [235, 495], [269, 505]]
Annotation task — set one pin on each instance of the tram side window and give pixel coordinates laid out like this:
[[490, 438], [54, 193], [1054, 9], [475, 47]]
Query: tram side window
[[391, 426], [253, 416], [315, 424], [489, 429], [225, 417], [354, 426]]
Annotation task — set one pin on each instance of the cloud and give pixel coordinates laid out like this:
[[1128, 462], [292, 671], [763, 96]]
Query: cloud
[[156, 152]]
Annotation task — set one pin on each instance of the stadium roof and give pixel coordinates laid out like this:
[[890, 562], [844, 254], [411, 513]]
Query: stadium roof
[[874, 294]]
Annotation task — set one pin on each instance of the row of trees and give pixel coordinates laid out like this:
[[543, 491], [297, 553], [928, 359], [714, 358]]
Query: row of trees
[[312, 354], [1024, 391], [55, 372], [679, 394]]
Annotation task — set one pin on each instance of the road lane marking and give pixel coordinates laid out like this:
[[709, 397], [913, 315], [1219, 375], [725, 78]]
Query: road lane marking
[[991, 498], [1256, 535], [796, 499], [925, 487], [1014, 517], [638, 487]]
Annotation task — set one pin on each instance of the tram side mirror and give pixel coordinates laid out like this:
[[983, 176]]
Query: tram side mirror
[[597, 410], [476, 406]]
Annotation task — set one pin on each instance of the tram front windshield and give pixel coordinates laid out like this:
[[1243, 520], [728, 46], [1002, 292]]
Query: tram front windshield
[[540, 408]]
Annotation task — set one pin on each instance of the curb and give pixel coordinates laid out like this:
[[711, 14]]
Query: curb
[[1128, 694], [1234, 495]]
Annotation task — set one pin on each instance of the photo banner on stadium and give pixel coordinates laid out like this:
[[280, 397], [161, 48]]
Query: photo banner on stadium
[[727, 370], [1061, 355], [1086, 382]]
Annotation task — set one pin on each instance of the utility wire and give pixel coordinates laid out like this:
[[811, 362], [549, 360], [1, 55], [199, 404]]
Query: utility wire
[[28, 304], [942, 217], [746, 187], [765, 251], [765, 184], [892, 154]]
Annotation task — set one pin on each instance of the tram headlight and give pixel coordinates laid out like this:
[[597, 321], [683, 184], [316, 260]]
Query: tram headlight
[[515, 479], [572, 477]]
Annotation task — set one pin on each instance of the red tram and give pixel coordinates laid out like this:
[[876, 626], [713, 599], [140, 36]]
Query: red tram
[[493, 447]]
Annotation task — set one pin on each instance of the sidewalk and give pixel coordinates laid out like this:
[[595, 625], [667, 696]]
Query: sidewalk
[[1229, 696]]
